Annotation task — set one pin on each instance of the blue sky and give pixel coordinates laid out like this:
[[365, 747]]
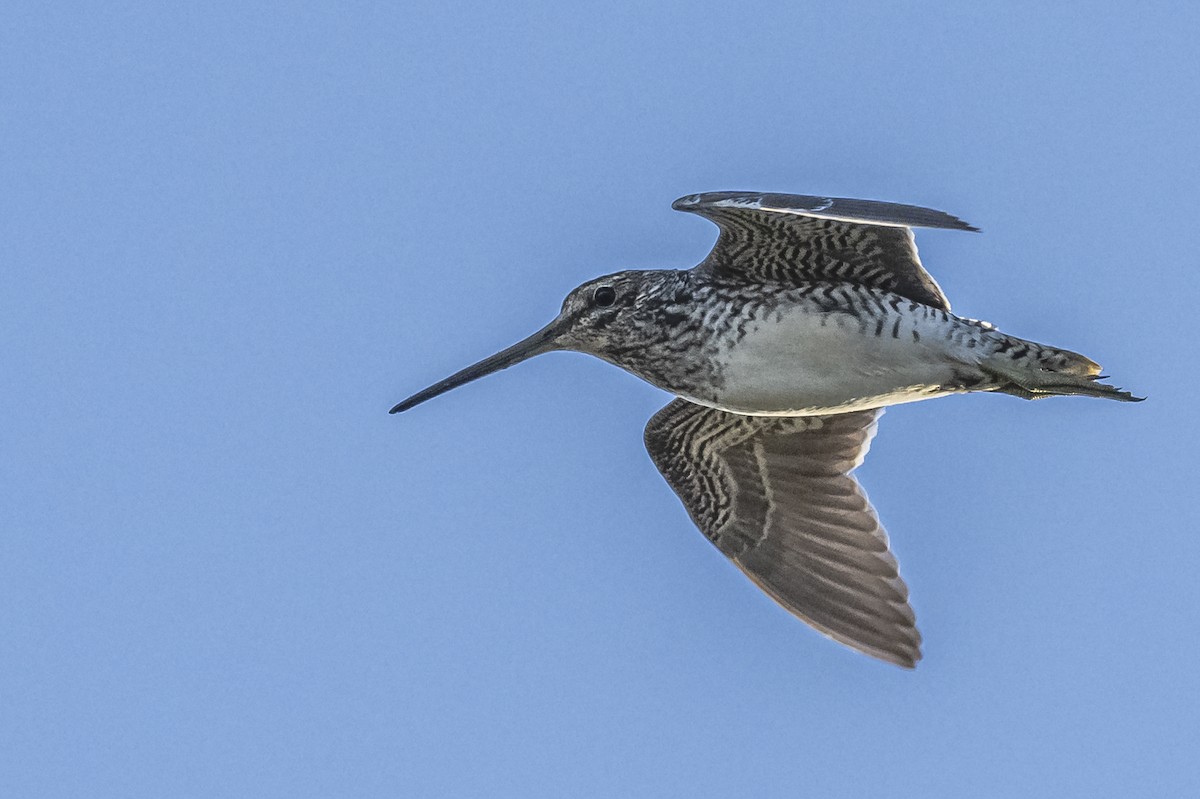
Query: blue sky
[[233, 235]]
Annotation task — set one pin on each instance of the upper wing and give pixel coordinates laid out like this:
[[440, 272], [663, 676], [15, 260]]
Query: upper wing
[[775, 495], [795, 237]]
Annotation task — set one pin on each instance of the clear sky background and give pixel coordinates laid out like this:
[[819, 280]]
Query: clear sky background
[[232, 235]]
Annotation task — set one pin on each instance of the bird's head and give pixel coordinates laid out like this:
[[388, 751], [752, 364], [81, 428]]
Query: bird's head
[[599, 317]]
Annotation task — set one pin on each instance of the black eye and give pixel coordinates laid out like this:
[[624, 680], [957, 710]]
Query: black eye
[[604, 296]]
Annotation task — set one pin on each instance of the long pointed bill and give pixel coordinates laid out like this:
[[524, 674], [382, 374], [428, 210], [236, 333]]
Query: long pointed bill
[[544, 340]]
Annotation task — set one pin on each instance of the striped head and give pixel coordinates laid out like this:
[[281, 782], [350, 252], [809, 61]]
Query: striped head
[[616, 317]]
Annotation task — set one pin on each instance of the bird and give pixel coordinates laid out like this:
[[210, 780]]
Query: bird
[[809, 316]]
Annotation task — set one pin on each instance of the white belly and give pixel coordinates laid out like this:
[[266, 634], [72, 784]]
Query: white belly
[[806, 363]]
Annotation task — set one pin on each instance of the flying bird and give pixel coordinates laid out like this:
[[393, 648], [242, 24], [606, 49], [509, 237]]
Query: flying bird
[[809, 316]]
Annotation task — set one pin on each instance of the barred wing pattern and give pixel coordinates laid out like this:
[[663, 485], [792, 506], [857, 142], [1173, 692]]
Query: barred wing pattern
[[775, 495], [791, 238]]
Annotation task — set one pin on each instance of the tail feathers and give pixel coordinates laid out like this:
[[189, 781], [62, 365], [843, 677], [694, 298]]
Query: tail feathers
[[1041, 371], [1064, 362], [1084, 387]]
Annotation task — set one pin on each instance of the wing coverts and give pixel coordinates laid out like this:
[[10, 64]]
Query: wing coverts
[[775, 495]]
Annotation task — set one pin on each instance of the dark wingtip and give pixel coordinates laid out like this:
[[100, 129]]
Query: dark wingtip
[[905, 659], [686, 202], [952, 222]]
